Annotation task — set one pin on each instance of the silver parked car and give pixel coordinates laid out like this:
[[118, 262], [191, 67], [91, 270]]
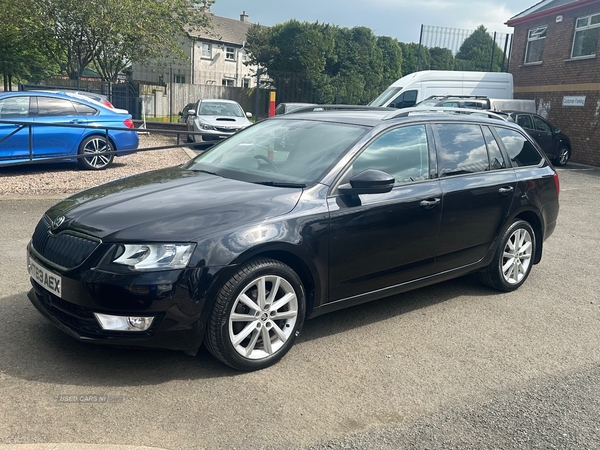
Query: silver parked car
[[215, 120]]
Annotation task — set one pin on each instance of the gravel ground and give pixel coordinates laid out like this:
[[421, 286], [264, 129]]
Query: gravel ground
[[60, 179]]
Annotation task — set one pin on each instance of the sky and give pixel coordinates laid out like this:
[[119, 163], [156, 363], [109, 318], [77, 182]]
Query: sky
[[400, 19]]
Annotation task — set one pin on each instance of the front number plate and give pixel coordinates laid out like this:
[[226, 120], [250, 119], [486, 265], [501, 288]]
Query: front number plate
[[49, 280]]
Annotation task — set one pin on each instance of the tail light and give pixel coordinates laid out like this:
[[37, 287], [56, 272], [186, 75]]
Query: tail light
[[107, 103], [557, 184], [128, 123]]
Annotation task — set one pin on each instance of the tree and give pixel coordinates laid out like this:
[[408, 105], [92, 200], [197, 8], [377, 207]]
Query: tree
[[20, 54], [475, 53], [114, 33], [391, 54], [441, 59], [413, 58], [322, 63]]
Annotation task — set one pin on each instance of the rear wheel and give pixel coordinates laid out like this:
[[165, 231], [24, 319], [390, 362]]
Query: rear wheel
[[513, 259], [564, 154], [95, 148], [257, 316]]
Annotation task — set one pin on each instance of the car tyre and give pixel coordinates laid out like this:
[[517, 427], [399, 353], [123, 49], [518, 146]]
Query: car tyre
[[95, 147], [257, 316], [564, 154], [513, 259]]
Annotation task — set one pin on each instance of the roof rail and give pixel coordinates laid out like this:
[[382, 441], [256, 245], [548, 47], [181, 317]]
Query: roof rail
[[476, 97], [318, 108], [405, 112]]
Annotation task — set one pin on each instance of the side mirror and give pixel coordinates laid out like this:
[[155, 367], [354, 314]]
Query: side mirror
[[368, 181], [248, 115], [191, 112], [556, 130]]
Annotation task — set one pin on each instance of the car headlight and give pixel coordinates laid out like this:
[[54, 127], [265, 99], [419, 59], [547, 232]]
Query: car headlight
[[144, 257], [205, 126]]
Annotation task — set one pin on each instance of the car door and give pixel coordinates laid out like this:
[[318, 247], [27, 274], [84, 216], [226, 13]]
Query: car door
[[14, 138], [546, 138], [478, 189], [55, 140], [382, 240]]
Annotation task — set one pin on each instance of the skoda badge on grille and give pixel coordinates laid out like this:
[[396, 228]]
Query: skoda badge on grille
[[56, 223]]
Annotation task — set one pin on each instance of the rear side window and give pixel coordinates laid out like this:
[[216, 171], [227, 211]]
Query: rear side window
[[84, 110], [520, 151], [461, 149], [48, 106]]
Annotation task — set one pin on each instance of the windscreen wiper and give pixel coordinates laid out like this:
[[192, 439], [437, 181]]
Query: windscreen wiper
[[281, 184]]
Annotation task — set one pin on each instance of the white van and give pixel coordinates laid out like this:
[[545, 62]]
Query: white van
[[418, 86]]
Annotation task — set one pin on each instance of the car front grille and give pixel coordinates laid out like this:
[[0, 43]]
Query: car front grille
[[64, 249], [226, 129]]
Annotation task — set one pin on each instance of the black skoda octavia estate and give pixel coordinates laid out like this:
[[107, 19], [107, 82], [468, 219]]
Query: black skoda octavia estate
[[293, 217]]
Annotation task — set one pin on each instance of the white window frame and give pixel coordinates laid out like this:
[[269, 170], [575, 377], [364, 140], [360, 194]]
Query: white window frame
[[534, 35], [228, 82], [246, 82], [208, 53], [582, 29], [230, 51]]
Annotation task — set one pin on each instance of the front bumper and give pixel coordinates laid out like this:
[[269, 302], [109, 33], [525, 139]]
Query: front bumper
[[178, 313], [213, 135]]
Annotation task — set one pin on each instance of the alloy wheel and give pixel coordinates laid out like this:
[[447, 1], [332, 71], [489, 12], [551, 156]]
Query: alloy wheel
[[517, 255], [263, 317]]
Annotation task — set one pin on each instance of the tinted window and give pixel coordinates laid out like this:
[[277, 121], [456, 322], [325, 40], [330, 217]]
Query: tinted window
[[520, 151], [84, 110], [48, 106], [14, 108], [461, 149], [542, 125], [524, 121], [496, 159], [403, 153]]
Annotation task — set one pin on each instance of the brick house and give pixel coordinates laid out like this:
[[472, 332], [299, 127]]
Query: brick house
[[215, 56], [554, 61]]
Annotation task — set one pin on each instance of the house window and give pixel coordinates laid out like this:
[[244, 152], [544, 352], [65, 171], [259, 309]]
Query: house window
[[244, 57], [206, 50], [229, 53], [228, 82], [179, 79], [536, 38], [246, 82], [585, 40]]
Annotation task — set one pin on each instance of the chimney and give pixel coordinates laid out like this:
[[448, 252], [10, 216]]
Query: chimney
[[244, 17]]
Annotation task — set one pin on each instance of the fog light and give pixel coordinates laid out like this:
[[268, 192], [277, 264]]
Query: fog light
[[123, 323]]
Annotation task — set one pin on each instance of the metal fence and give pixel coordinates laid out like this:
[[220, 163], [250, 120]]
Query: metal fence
[[452, 39]]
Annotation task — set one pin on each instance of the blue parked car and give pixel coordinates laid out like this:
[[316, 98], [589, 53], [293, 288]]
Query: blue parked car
[[45, 112]]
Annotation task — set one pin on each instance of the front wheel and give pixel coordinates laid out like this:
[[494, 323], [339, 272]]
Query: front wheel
[[513, 259], [95, 148], [257, 316], [564, 154]]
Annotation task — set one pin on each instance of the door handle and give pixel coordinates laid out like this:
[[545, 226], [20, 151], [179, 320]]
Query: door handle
[[430, 203], [76, 121], [506, 190]]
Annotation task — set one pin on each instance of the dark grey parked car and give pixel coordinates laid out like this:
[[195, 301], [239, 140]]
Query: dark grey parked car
[[555, 144]]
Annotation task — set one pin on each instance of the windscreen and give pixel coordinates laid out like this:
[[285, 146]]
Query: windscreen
[[386, 96], [278, 152]]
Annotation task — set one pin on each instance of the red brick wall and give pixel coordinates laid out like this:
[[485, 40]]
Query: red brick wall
[[557, 76]]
